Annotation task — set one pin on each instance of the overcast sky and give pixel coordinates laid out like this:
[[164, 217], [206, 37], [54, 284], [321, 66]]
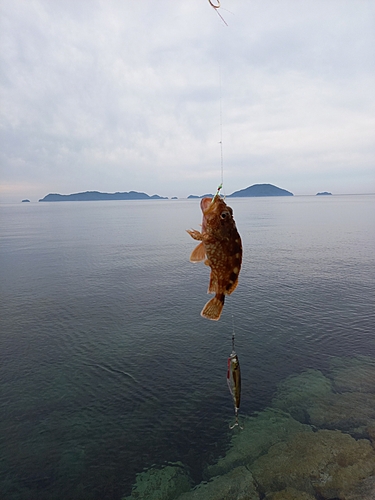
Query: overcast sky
[[120, 95]]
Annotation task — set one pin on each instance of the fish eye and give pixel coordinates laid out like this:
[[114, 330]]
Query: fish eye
[[224, 215]]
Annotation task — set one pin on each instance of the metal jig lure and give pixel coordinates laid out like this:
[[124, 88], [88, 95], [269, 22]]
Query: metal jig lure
[[234, 384]]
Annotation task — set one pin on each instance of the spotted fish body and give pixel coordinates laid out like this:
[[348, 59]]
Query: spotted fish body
[[220, 248]]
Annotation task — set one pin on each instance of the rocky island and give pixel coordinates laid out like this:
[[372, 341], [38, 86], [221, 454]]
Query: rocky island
[[324, 193], [97, 196], [252, 191], [255, 190], [261, 190], [194, 196]]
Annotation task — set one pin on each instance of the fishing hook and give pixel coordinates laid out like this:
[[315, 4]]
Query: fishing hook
[[213, 5], [236, 423], [216, 195]]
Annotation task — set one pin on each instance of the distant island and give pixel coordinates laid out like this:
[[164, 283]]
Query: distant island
[[254, 190], [97, 196], [25, 201], [251, 191], [202, 196], [324, 193], [261, 190]]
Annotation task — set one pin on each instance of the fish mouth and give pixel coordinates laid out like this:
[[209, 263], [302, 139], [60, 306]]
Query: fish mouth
[[205, 204]]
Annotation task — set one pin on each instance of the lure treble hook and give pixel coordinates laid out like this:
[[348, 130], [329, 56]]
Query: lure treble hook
[[236, 421]]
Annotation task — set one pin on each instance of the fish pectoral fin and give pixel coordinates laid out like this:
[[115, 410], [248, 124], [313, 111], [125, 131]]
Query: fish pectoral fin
[[212, 310], [198, 254], [195, 234]]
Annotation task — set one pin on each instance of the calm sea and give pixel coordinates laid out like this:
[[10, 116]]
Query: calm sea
[[106, 366]]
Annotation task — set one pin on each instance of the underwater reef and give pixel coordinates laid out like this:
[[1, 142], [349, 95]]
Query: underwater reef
[[316, 441]]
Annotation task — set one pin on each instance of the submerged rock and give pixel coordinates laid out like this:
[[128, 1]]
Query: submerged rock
[[370, 429], [353, 374], [310, 397], [289, 494], [364, 490], [297, 393], [277, 456], [258, 435], [351, 412], [351, 407], [161, 484], [237, 484], [325, 463]]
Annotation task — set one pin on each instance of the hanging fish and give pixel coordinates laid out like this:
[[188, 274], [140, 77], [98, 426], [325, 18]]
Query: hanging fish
[[234, 383], [221, 249]]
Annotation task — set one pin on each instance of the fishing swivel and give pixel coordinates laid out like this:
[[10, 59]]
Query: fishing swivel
[[217, 7]]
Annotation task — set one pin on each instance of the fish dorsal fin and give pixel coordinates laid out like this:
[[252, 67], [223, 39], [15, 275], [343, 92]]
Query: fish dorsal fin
[[198, 254]]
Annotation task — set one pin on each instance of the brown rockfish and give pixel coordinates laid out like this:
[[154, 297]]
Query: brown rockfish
[[220, 247]]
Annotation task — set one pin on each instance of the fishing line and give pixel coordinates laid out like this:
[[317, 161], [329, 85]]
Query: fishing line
[[216, 6], [233, 370], [233, 334], [221, 125]]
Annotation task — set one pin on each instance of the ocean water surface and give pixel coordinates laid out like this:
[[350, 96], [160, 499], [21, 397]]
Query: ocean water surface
[[106, 366]]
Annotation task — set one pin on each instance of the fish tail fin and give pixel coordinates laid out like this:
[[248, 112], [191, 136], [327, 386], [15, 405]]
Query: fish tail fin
[[212, 310]]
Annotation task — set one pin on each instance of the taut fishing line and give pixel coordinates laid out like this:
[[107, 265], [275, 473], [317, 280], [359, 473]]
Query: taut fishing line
[[233, 369], [221, 126]]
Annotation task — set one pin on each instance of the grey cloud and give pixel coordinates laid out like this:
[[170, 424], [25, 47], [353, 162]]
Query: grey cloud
[[126, 96]]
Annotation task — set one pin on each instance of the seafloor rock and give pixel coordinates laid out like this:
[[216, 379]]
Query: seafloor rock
[[289, 494], [370, 429], [236, 485], [325, 463], [161, 484], [351, 411], [353, 374], [364, 490], [258, 435], [299, 392], [309, 398]]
